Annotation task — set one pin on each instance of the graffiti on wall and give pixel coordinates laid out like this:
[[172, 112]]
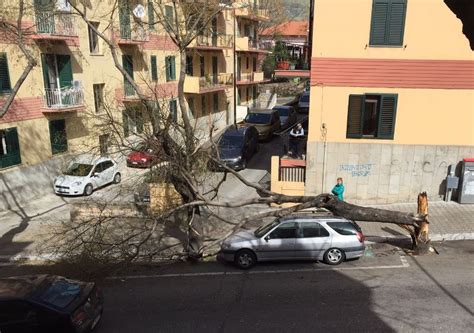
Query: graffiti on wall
[[357, 170]]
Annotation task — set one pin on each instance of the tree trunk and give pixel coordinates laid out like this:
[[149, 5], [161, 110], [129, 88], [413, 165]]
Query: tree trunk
[[421, 240]]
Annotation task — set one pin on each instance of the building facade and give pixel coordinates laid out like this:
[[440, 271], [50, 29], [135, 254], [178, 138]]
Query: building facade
[[392, 98], [59, 108]]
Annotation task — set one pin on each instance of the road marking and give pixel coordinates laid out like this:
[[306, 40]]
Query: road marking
[[298, 270]]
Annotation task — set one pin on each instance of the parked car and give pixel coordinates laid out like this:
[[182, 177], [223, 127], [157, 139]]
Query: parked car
[[301, 236], [303, 103], [86, 174], [265, 121], [235, 147], [144, 155], [46, 303], [287, 115]]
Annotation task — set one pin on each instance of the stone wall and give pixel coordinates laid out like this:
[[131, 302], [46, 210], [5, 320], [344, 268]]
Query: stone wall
[[382, 173]]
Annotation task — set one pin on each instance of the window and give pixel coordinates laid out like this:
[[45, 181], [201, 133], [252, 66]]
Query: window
[[189, 65], [94, 39], [104, 142], [215, 99], [154, 68], [9, 148], [127, 62], [372, 116], [5, 86], [203, 106], [247, 59], [132, 121], [344, 228], [170, 68], [201, 66], [99, 97], [254, 64], [191, 106], [388, 22], [286, 230], [312, 229], [151, 15], [169, 14], [58, 137], [174, 109]]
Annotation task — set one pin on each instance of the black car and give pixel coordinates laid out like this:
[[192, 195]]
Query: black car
[[47, 303], [303, 103], [235, 147], [287, 114]]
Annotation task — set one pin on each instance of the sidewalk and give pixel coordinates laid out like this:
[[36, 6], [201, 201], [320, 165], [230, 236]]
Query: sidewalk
[[448, 221]]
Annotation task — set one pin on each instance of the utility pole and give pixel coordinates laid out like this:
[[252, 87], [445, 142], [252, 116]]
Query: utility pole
[[234, 79]]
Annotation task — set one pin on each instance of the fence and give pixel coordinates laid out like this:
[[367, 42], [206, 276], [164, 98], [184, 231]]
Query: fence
[[64, 97], [55, 24]]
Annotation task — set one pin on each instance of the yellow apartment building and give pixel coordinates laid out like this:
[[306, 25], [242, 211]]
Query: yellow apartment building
[[391, 99], [58, 107]]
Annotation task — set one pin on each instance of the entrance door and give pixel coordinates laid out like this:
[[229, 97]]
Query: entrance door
[[215, 74], [9, 147], [58, 137], [127, 62]]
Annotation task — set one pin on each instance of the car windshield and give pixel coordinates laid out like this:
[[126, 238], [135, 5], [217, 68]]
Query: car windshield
[[283, 112], [60, 293], [231, 141], [260, 232], [258, 118], [78, 169], [304, 98]]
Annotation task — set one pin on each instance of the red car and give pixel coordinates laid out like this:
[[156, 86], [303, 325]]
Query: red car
[[143, 156]]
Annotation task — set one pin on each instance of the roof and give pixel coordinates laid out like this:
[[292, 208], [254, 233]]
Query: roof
[[292, 28], [21, 286]]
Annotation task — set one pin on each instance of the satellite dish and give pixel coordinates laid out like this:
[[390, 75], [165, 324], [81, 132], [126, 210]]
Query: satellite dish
[[139, 11]]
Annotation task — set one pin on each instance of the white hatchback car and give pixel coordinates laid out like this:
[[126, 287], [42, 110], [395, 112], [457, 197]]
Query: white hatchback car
[[85, 175]]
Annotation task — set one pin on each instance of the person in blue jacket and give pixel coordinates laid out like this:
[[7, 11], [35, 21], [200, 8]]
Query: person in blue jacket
[[338, 189]]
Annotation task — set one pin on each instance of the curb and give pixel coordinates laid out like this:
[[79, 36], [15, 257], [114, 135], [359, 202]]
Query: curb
[[434, 237]]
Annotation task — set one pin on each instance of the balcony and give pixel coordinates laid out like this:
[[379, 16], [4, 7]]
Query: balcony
[[208, 83], [64, 98], [132, 34], [248, 44], [213, 42], [288, 176], [292, 69], [54, 26], [253, 13], [250, 78]]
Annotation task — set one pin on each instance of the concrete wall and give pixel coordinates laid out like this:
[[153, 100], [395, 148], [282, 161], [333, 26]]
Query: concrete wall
[[381, 173]]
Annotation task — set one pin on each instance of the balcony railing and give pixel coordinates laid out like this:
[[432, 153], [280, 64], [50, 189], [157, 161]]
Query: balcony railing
[[57, 24], [215, 40], [64, 97], [250, 77], [213, 80], [133, 33]]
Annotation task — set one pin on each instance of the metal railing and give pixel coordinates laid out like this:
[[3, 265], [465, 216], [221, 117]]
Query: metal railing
[[247, 77], [213, 80], [60, 24], [292, 174], [215, 40], [64, 97], [133, 32]]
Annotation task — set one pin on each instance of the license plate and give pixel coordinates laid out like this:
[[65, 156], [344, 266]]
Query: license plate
[[135, 163]]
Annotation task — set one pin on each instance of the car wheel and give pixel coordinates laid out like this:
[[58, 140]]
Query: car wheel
[[117, 178], [334, 256], [245, 259], [88, 189]]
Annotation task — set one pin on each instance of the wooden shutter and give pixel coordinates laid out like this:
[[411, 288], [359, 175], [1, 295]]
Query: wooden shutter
[[169, 14], [65, 70], [45, 71], [127, 63], [151, 15], [172, 68], [174, 110], [396, 23], [355, 116], [139, 121], [378, 26], [387, 115], [125, 123], [124, 19], [168, 69], [4, 74], [154, 69]]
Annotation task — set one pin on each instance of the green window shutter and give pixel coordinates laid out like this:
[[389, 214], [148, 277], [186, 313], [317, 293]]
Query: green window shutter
[[4, 74], [45, 71], [12, 154], [125, 123], [378, 26], [139, 120], [387, 115], [169, 14], [396, 23], [191, 106], [355, 116], [127, 63], [168, 68], [154, 69], [174, 110], [173, 68], [124, 19], [151, 15], [65, 70], [58, 137]]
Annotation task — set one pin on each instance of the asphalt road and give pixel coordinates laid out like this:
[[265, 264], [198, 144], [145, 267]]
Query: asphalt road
[[382, 292]]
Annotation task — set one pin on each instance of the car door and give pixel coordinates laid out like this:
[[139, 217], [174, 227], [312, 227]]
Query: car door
[[107, 172], [18, 316], [313, 240], [96, 179], [278, 244]]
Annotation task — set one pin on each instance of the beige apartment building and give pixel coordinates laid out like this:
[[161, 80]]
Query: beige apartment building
[[391, 99], [57, 109]]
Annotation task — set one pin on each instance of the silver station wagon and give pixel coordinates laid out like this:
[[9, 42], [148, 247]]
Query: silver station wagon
[[302, 236]]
